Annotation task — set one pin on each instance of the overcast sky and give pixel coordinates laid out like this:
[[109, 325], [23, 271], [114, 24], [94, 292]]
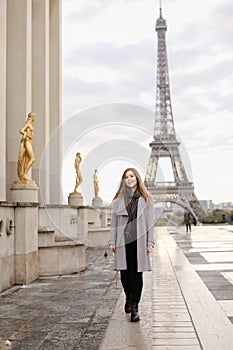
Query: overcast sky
[[109, 58]]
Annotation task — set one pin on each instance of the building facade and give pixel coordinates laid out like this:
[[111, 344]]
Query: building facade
[[30, 80]]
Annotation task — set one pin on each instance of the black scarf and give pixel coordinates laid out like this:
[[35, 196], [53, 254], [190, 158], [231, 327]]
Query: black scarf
[[131, 204]]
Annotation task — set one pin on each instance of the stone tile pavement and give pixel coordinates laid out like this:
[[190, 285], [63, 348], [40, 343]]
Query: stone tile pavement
[[181, 310], [187, 301], [64, 312]]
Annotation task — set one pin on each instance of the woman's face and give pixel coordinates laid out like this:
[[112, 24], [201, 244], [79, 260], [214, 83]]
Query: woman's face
[[131, 180]]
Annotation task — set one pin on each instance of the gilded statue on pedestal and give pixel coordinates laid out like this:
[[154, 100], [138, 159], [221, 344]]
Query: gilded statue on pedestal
[[96, 184], [26, 156], [79, 178]]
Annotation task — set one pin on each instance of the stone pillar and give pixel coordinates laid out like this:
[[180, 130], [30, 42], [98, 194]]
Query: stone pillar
[[83, 224], [97, 202], [18, 80], [40, 92], [104, 218], [55, 101], [3, 99], [27, 193], [26, 243], [75, 199]]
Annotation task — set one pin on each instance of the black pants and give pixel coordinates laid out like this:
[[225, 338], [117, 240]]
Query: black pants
[[132, 280]]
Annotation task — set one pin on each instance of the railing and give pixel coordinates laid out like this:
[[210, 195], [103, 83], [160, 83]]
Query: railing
[[173, 184], [170, 184]]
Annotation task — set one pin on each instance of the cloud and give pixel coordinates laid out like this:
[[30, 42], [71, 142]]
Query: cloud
[[112, 58], [106, 70], [106, 53], [83, 11]]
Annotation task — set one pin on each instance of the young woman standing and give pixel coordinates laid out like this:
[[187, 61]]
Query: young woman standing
[[132, 236]]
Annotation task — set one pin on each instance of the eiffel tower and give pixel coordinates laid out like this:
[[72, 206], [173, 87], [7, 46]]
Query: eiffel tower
[[165, 144]]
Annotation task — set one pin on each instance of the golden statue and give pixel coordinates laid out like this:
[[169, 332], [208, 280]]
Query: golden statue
[[96, 184], [79, 178], [26, 155]]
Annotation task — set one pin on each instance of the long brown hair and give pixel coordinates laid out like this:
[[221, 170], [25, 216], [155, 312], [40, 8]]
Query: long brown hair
[[140, 184]]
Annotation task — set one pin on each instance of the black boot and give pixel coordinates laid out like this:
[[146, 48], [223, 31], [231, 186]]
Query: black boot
[[134, 313], [128, 305]]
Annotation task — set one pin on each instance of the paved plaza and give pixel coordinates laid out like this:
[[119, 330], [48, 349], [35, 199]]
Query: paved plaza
[[187, 301]]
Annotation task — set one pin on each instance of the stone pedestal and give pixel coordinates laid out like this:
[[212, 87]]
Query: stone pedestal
[[26, 243], [75, 199], [97, 202], [104, 218], [83, 224], [27, 193]]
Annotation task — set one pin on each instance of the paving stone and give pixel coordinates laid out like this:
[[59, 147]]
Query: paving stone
[[171, 323], [170, 347], [196, 258], [62, 312], [178, 342], [174, 335], [173, 329], [185, 304], [172, 317]]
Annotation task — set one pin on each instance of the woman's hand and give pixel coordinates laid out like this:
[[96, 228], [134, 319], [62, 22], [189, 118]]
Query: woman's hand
[[149, 249], [112, 248]]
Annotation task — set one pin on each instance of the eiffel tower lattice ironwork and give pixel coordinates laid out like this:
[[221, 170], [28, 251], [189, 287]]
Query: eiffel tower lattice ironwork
[[165, 144]]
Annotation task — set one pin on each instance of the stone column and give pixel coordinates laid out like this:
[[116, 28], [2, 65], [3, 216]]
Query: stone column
[[55, 101], [83, 224], [18, 80], [26, 243], [27, 193], [104, 218], [97, 202], [40, 92], [3, 99]]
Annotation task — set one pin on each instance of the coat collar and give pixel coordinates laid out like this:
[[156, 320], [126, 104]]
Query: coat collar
[[121, 209], [141, 206]]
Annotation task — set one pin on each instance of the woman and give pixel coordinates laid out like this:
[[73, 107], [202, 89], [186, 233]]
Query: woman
[[131, 236]]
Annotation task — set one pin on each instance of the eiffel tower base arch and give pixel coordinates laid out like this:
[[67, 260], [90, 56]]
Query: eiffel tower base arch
[[182, 195]]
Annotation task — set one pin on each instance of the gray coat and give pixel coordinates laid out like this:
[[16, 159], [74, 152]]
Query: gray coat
[[145, 233]]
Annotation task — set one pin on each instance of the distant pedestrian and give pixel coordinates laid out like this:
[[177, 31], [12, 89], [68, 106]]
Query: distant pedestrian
[[132, 236], [231, 219], [194, 221], [187, 220], [224, 218]]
